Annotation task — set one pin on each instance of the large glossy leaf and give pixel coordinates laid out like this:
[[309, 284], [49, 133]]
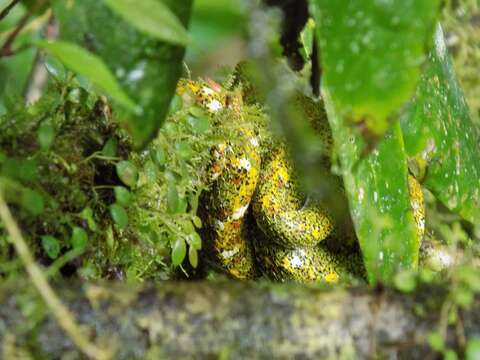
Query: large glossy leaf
[[147, 68], [377, 193], [371, 53], [439, 133], [92, 67], [152, 17]]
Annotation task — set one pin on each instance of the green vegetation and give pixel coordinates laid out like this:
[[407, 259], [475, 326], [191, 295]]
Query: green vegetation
[[106, 160]]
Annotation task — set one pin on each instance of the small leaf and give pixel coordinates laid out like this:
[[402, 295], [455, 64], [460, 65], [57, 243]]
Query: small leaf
[[87, 215], [172, 198], [184, 150], [405, 281], [200, 124], [127, 172], [152, 17], [110, 148], [160, 156], [122, 195], [197, 222], [473, 349], [436, 341], [179, 250], [119, 215], [79, 238], [21, 169], [196, 241], [51, 246], [32, 201], [45, 135], [193, 256], [450, 355], [89, 65]]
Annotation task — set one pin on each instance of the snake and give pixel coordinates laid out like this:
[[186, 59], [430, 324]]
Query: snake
[[256, 219]]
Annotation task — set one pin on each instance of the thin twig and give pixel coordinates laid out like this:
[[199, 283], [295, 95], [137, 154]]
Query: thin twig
[[9, 7], [63, 315], [6, 49]]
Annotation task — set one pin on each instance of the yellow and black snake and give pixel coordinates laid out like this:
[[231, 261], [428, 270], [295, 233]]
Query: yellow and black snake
[[256, 219]]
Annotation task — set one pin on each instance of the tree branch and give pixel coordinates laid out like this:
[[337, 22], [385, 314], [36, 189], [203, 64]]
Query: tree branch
[[244, 320]]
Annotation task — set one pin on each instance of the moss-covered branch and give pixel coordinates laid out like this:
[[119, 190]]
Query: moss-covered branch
[[241, 320]]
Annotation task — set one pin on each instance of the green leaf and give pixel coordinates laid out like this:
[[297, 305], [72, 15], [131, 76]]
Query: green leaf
[[179, 250], [472, 351], [197, 222], [160, 156], [378, 196], [372, 52], [193, 256], [127, 172], [87, 215], [32, 201], [184, 150], [21, 169], [173, 199], [405, 281], [147, 68], [199, 124], [436, 341], [89, 65], [79, 238], [45, 135], [122, 195], [119, 215], [152, 17], [51, 246], [110, 148], [196, 241], [440, 134]]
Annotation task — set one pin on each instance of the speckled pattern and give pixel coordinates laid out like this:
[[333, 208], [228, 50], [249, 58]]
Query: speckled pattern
[[281, 235], [418, 204], [279, 207]]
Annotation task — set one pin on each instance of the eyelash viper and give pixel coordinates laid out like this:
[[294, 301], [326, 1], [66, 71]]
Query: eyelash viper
[[256, 219]]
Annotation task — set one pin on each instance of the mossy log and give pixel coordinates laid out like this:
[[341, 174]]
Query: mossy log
[[231, 320]]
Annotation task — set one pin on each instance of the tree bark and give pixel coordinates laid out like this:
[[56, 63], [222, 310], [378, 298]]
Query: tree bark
[[231, 320]]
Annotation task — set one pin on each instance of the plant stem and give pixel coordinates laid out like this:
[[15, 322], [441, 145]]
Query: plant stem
[[63, 315], [9, 7]]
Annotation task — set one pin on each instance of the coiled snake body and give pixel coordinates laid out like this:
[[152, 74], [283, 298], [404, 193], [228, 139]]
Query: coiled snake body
[[255, 217]]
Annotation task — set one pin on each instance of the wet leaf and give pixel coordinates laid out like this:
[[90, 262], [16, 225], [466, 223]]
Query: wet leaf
[[179, 250], [89, 65], [439, 133], [148, 69], [372, 52], [152, 17], [377, 192]]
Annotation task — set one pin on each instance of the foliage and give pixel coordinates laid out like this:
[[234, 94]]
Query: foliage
[[104, 172]]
